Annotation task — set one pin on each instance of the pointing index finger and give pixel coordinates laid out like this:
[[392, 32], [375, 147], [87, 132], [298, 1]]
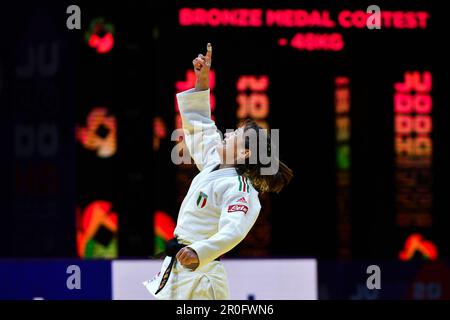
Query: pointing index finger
[[208, 50]]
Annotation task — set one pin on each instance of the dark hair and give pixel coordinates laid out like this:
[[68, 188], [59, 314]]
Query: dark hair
[[252, 169]]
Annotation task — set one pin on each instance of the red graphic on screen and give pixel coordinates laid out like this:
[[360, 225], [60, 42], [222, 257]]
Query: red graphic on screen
[[189, 83], [342, 104], [417, 81], [413, 125], [298, 18], [164, 225], [97, 229], [282, 42], [159, 132], [215, 17], [315, 41], [416, 244], [252, 99], [100, 36], [294, 19], [100, 133]]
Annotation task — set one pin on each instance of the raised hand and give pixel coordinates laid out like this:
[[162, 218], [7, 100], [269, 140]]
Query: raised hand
[[202, 65]]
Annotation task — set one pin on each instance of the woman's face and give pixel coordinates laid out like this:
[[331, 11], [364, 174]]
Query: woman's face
[[233, 147]]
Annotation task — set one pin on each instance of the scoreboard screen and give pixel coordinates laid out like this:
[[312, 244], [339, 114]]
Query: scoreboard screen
[[360, 102], [358, 91]]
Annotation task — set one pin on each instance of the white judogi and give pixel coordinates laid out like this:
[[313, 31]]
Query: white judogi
[[217, 213]]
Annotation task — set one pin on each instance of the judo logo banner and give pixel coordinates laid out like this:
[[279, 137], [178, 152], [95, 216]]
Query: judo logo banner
[[201, 200]]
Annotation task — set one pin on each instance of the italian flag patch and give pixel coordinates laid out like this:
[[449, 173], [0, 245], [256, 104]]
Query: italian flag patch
[[201, 200]]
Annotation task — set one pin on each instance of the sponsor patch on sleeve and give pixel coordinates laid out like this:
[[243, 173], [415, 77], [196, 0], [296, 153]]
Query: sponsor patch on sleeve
[[237, 207]]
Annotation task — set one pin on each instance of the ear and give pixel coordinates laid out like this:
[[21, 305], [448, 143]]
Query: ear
[[247, 153]]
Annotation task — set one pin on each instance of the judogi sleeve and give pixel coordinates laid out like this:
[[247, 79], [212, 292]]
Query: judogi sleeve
[[239, 213], [200, 131]]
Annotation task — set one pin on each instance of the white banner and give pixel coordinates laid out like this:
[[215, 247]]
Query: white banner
[[259, 279]]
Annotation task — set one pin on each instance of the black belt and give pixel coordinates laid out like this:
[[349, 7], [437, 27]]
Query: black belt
[[172, 248]]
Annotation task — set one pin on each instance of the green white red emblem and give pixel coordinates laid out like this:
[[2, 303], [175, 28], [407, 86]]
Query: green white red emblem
[[201, 200]]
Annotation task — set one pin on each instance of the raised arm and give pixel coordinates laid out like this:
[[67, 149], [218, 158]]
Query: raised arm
[[200, 131], [202, 65]]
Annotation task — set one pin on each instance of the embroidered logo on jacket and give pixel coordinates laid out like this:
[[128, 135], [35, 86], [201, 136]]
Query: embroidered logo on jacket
[[242, 200], [238, 207], [201, 200]]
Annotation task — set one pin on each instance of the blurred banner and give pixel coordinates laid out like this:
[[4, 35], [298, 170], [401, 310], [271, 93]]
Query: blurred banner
[[37, 119], [55, 280], [415, 280], [250, 279], [123, 280], [258, 279]]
